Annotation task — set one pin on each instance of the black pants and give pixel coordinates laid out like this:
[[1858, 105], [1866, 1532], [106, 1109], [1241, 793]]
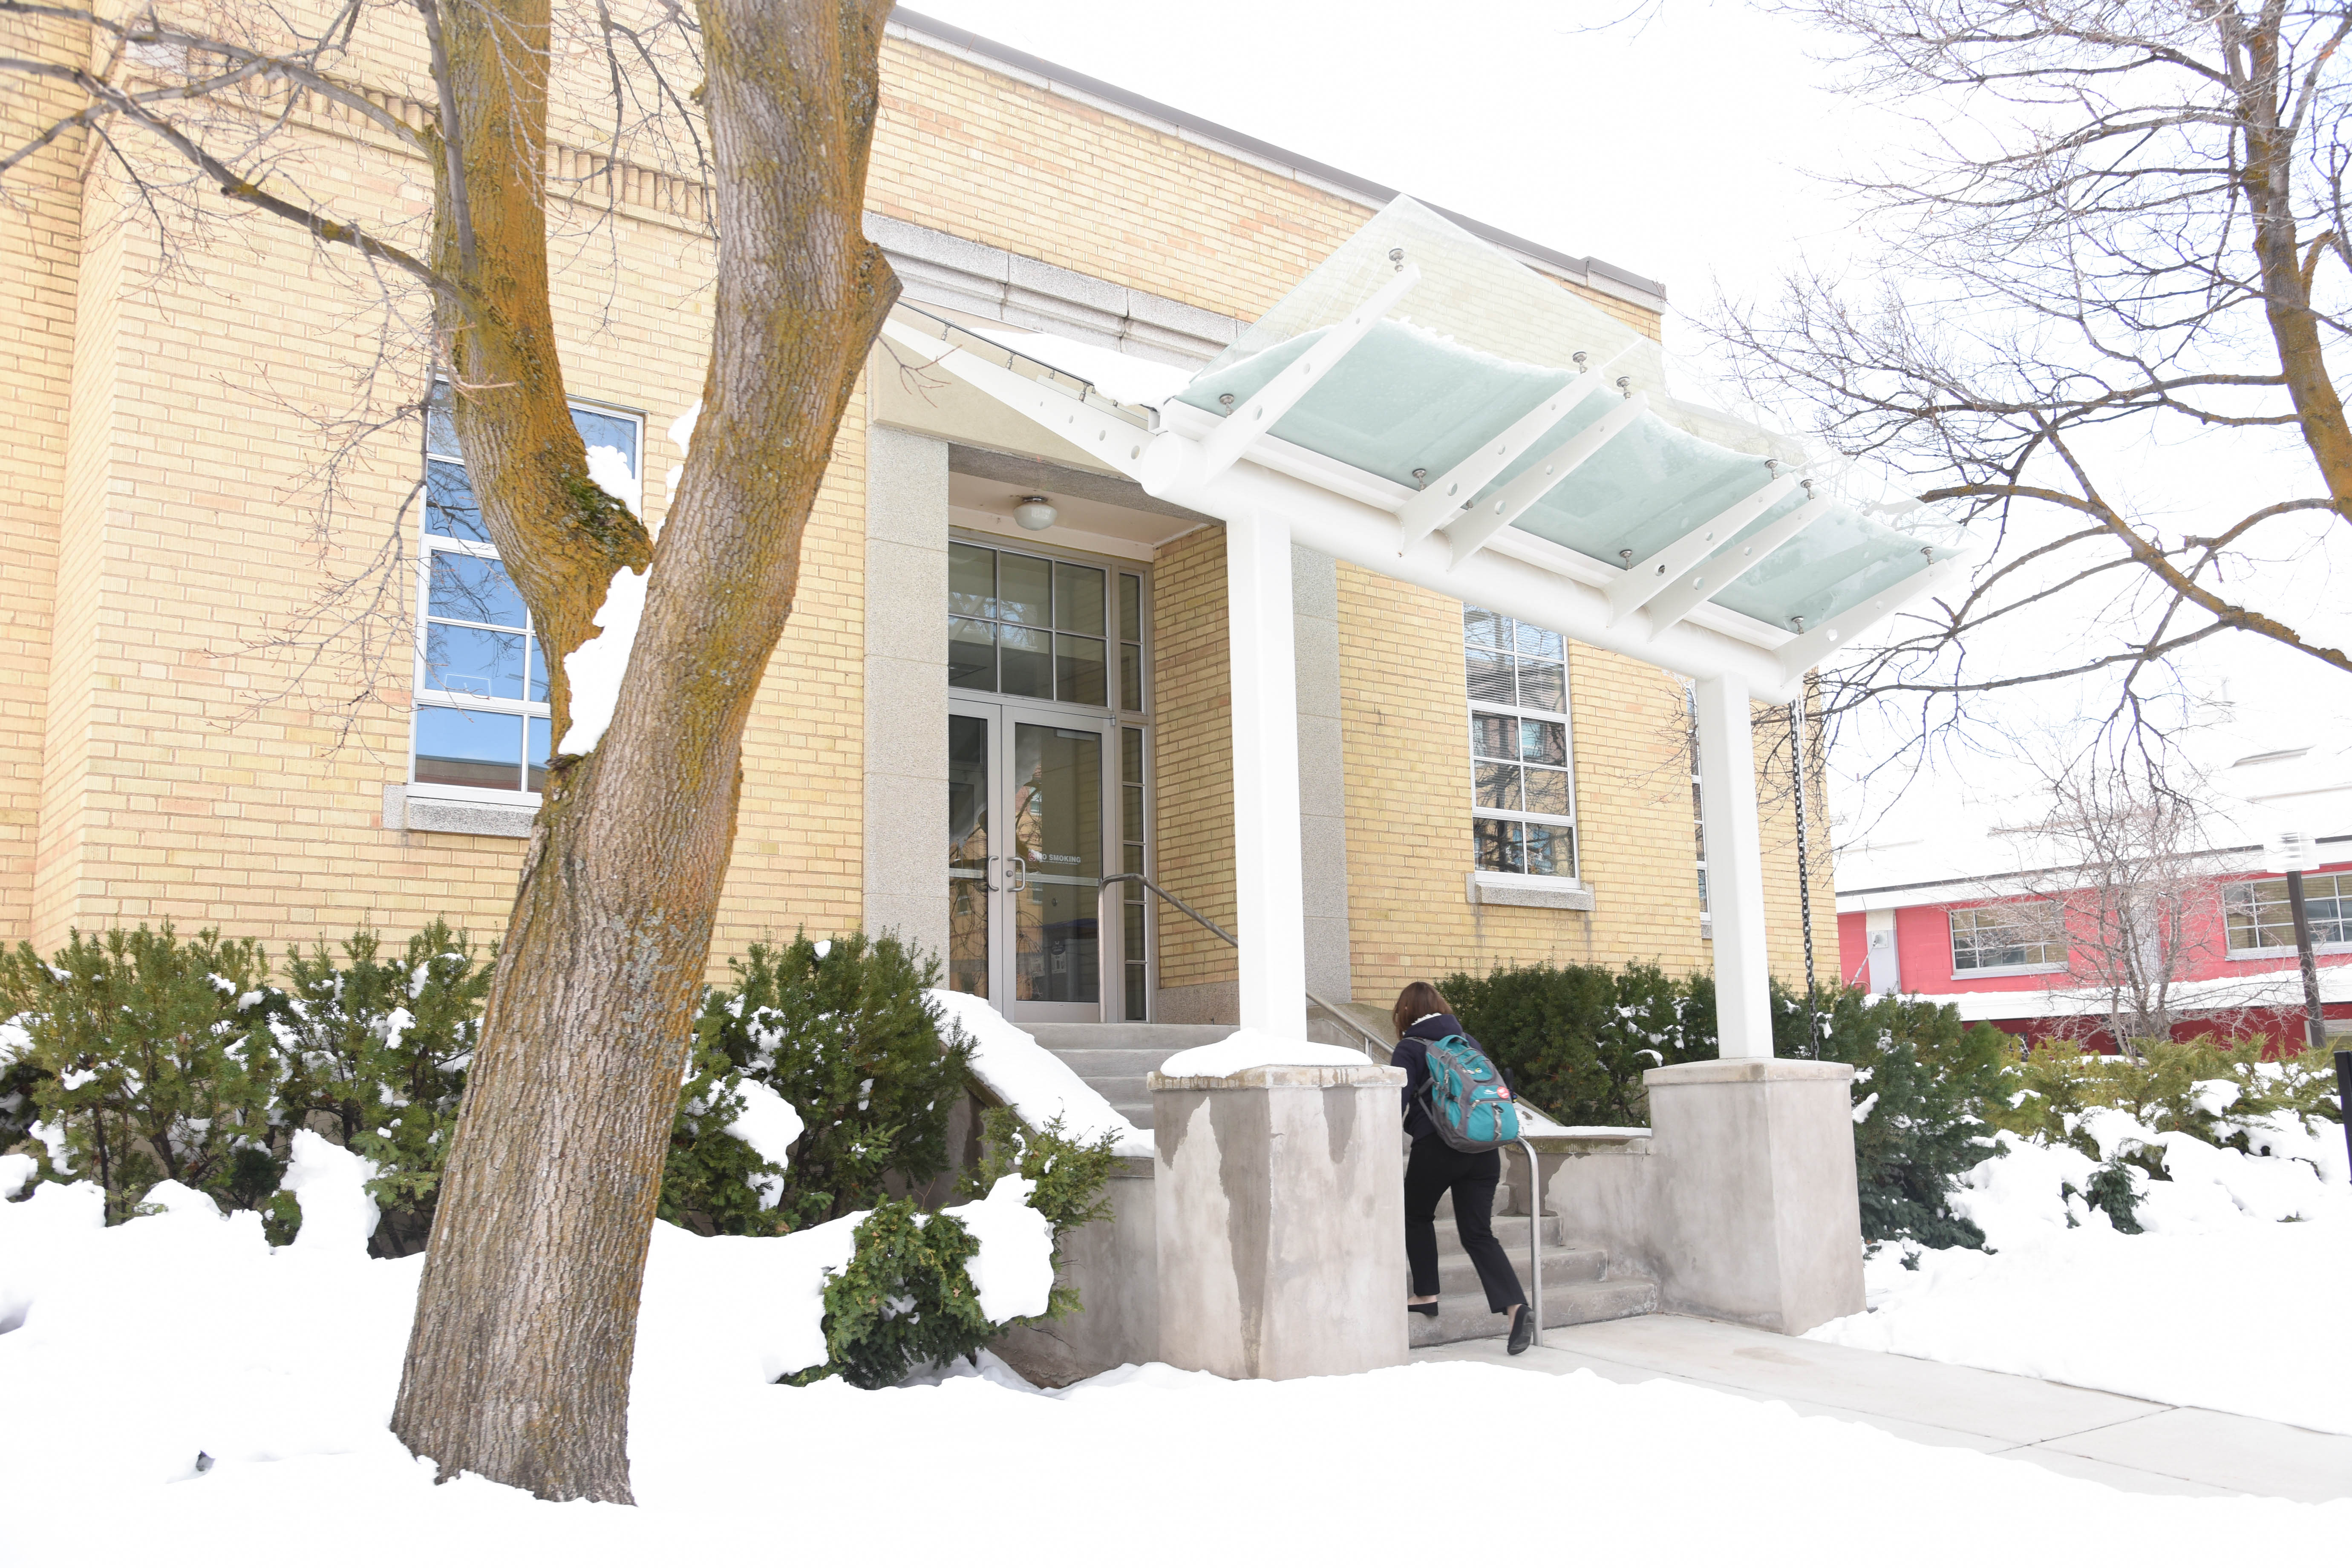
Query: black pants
[[1433, 1170]]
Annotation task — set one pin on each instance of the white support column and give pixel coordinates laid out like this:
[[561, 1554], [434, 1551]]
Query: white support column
[[1734, 869], [1269, 889]]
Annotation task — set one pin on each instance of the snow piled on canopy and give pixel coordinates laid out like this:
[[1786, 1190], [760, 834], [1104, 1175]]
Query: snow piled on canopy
[[1247, 1048], [2210, 1306], [182, 1334], [1031, 1079]]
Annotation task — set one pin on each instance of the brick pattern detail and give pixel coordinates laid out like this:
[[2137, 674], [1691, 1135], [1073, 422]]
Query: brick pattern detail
[[1192, 755]]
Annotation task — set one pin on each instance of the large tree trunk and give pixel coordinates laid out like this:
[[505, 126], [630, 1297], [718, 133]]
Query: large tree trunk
[[519, 1364]]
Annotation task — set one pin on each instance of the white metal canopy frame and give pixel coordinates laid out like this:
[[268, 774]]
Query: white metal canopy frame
[[1428, 408]]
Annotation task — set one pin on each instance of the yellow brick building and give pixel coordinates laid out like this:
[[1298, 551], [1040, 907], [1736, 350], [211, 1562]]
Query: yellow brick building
[[180, 741]]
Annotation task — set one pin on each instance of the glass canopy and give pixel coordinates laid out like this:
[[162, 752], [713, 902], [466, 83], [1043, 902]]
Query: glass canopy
[[1481, 339]]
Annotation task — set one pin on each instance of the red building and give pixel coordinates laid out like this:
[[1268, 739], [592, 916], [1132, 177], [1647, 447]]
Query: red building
[[2030, 947]]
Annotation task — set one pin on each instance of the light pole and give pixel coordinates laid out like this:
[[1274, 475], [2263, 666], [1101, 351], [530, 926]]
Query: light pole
[[2295, 853]]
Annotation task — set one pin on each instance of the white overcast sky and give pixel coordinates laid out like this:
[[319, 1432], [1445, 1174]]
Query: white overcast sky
[[1691, 147]]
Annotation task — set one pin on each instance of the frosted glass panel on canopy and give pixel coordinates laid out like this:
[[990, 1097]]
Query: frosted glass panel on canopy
[[1480, 341]]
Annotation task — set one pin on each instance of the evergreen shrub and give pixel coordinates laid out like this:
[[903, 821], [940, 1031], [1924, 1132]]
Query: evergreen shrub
[[2208, 1088], [841, 1029], [150, 1059], [907, 1300], [376, 1049], [1576, 1039], [1923, 1086]]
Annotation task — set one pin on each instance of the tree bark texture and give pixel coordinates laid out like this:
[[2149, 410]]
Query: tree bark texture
[[519, 1364]]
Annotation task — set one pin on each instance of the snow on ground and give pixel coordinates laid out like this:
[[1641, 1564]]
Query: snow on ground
[[2224, 1302], [180, 1334], [1031, 1079]]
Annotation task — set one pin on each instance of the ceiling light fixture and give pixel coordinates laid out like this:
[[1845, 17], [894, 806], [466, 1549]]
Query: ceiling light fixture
[[1034, 513]]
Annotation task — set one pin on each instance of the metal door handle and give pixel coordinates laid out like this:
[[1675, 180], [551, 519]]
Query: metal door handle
[[1016, 874]]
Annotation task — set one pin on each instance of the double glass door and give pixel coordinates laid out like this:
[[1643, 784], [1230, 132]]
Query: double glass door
[[1029, 823]]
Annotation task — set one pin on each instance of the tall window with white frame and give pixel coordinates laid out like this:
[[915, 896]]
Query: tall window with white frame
[[1523, 799], [482, 724]]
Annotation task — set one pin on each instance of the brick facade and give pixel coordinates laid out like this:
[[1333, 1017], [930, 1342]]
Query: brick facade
[[159, 762]]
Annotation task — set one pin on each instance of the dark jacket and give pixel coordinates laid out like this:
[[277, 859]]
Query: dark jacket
[[1411, 1053]]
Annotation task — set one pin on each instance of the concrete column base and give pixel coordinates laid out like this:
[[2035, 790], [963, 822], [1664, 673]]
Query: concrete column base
[[1280, 1205], [1744, 1205]]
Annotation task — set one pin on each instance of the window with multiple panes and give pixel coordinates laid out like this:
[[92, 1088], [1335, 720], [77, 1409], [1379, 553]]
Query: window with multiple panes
[[1523, 803], [2258, 915], [1022, 625], [2028, 935], [481, 678]]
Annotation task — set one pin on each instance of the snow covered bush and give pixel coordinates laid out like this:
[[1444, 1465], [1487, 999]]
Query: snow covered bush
[[376, 1048], [2218, 1092], [729, 1151], [1066, 1178], [151, 1059], [840, 1031], [1575, 1038], [905, 1299], [1924, 1087]]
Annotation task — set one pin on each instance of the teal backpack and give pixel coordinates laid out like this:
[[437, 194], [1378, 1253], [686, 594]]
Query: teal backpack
[[1468, 1099]]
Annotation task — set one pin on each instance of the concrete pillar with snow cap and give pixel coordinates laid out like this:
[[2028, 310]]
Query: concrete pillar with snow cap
[[1280, 1209], [1742, 1204]]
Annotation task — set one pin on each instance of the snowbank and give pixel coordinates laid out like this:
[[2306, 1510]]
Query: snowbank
[[285, 1380], [1247, 1048], [330, 1185], [2210, 1307], [1031, 1079]]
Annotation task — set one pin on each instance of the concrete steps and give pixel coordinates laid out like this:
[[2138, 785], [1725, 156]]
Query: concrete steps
[[1577, 1287], [1114, 1057], [1114, 1060]]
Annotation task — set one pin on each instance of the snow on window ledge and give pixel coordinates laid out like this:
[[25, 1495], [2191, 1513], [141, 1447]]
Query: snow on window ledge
[[1530, 891]]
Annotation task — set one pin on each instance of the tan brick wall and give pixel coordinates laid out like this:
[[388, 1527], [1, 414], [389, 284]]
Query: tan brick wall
[[40, 258], [1404, 717], [1192, 755], [998, 161], [182, 782]]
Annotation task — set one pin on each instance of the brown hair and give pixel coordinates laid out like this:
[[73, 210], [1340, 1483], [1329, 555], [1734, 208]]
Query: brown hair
[[1415, 1002]]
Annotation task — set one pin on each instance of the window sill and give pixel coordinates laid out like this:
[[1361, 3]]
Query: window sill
[[1530, 892], [2272, 955], [2015, 969], [406, 809]]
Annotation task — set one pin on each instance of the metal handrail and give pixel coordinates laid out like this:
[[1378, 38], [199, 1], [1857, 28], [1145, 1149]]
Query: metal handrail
[[1379, 1048], [1377, 1051], [1535, 1235]]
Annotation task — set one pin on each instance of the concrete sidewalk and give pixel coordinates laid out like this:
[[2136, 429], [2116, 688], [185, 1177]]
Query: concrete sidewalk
[[2133, 1444]]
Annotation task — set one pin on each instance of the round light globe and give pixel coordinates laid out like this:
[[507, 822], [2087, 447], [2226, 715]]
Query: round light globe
[[1034, 513]]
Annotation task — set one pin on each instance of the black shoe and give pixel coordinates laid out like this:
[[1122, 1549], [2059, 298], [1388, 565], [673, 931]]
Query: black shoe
[[1427, 1309], [1523, 1331]]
